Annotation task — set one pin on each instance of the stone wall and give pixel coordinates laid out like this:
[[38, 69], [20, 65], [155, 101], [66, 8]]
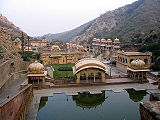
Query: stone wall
[[151, 110], [121, 67], [9, 71], [16, 107]]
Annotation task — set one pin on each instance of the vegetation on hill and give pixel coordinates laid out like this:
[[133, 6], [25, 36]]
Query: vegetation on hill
[[155, 49], [29, 55]]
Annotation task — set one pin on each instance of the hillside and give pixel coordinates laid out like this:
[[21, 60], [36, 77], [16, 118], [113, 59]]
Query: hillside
[[9, 27], [152, 37], [8, 50], [68, 35], [129, 23]]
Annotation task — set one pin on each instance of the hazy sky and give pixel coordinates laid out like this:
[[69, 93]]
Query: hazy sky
[[39, 17]]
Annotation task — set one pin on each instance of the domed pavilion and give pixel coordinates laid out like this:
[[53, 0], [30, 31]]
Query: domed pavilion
[[138, 71], [36, 74], [89, 70]]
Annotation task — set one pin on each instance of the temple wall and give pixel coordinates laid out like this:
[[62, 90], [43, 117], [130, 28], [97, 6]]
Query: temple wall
[[10, 72], [150, 110], [121, 67], [16, 107]]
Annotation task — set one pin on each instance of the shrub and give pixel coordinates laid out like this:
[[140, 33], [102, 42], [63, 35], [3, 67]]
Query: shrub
[[65, 69]]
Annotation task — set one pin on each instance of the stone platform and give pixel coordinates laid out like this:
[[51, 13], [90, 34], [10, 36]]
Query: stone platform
[[151, 110]]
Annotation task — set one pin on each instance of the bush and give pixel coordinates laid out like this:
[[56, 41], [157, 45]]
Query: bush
[[155, 68], [65, 69]]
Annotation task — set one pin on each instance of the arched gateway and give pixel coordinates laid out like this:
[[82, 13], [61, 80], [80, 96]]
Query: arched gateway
[[89, 70]]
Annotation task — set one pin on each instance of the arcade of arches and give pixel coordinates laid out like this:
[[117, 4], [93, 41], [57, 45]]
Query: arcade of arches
[[90, 75], [90, 70]]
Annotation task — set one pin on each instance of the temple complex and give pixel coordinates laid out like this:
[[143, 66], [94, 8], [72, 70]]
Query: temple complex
[[75, 47], [107, 48], [62, 57]]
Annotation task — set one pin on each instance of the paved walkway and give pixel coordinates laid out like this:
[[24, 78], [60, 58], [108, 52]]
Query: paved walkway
[[12, 90], [114, 70], [119, 81]]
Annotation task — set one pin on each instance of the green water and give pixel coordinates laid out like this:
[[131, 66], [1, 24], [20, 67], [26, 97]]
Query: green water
[[84, 106]]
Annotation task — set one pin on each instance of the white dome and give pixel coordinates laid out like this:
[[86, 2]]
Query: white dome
[[116, 40], [94, 39], [36, 66], [138, 63], [109, 40]]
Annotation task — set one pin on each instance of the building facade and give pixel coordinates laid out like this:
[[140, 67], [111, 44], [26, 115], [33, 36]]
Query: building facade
[[124, 59], [107, 48], [62, 57], [39, 43]]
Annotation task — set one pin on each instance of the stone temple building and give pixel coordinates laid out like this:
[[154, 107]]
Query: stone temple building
[[138, 71], [55, 48], [107, 48], [36, 74], [62, 57], [124, 59], [89, 70], [39, 43]]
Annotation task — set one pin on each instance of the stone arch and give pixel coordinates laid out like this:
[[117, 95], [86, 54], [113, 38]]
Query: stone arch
[[123, 60], [131, 60], [82, 76], [126, 60], [146, 61]]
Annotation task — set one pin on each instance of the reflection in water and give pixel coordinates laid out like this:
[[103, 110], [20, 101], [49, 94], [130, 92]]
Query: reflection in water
[[87, 100], [136, 96], [43, 101], [118, 106]]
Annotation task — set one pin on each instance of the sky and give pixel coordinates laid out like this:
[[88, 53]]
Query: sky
[[39, 17]]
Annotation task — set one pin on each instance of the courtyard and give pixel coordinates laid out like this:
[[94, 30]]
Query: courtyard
[[63, 70]]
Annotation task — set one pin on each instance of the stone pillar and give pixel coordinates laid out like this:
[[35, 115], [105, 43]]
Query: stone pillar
[[103, 77], [142, 76], [94, 77], [134, 76], [159, 84], [43, 80], [146, 75], [78, 78], [138, 76], [86, 77]]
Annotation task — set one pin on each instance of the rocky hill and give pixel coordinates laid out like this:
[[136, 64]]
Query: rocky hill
[[129, 23], [152, 37], [68, 35], [9, 27], [8, 50]]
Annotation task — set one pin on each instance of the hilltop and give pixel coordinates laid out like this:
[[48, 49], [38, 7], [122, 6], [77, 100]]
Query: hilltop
[[129, 23], [68, 35]]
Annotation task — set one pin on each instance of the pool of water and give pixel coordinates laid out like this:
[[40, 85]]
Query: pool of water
[[85, 106]]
